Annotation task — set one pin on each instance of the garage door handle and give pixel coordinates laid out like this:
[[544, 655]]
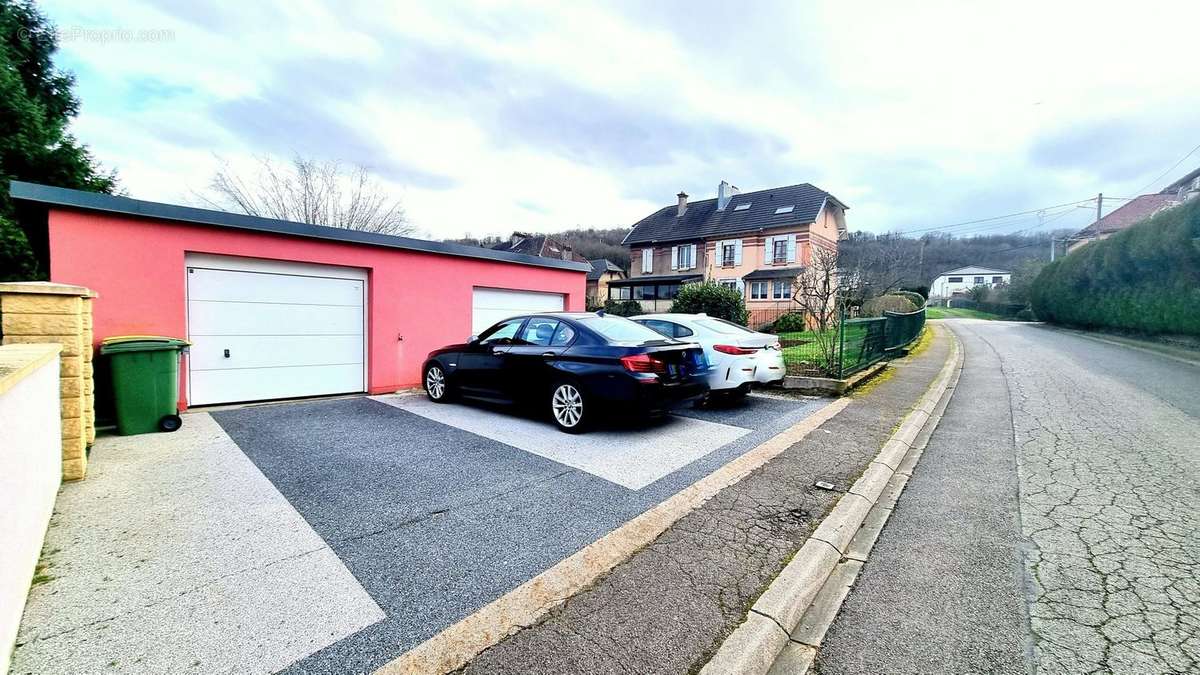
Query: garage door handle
[[226, 353]]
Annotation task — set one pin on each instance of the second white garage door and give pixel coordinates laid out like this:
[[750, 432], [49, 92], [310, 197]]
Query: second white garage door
[[262, 330], [489, 305]]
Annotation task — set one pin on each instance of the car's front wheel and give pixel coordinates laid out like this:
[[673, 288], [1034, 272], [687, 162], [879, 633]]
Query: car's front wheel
[[569, 407], [437, 386]]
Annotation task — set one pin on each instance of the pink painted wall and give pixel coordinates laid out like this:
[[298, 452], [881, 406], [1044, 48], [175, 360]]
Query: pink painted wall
[[137, 267]]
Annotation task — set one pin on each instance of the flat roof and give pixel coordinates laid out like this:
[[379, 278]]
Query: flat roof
[[96, 201]]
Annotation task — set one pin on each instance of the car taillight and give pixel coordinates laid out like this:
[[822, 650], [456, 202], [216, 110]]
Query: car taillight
[[733, 349], [643, 363]]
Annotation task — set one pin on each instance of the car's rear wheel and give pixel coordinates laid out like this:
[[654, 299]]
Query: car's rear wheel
[[437, 386], [569, 407]]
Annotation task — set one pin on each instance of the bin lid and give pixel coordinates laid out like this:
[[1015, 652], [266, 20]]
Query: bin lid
[[140, 343]]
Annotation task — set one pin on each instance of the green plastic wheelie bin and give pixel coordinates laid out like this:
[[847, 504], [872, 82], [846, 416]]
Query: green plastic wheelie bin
[[145, 381]]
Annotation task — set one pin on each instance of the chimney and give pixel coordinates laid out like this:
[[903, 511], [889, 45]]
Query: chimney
[[725, 192], [682, 203]]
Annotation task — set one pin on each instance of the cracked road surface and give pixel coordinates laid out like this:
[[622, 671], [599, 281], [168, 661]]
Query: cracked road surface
[[1099, 465]]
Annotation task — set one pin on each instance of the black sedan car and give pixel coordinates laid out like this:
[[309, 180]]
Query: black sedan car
[[574, 366]]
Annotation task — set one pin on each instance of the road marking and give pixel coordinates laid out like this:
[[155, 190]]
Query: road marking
[[523, 606]]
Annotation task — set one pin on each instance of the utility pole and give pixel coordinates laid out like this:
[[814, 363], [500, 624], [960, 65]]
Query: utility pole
[[1051, 249], [1099, 205]]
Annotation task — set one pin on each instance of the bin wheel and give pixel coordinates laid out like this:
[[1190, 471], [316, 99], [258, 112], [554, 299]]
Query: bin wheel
[[170, 423]]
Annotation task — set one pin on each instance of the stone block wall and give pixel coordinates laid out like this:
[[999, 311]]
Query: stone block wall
[[42, 312]]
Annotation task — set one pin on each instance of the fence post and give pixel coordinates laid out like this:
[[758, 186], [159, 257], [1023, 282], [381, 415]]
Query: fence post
[[841, 342]]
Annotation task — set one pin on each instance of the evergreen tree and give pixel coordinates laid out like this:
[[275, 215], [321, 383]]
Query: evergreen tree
[[36, 106]]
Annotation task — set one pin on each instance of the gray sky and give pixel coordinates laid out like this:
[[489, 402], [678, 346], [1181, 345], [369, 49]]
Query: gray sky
[[496, 116]]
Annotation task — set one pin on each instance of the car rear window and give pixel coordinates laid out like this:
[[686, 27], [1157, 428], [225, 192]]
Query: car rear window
[[723, 326], [618, 329]]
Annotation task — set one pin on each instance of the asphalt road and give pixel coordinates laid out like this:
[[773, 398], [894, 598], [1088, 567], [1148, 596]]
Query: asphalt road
[[1052, 523]]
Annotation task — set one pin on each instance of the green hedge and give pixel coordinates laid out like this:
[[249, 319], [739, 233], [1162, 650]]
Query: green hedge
[[1144, 279], [712, 299]]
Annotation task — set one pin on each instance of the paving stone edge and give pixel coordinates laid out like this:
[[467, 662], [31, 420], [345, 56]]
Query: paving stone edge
[[750, 649]]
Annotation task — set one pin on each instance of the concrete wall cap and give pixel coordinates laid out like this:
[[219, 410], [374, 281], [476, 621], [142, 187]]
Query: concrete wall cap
[[18, 361], [46, 288]]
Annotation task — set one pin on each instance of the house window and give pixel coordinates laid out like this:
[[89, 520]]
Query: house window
[[781, 289], [643, 292], [997, 280], [668, 291], [731, 283], [647, 260], [683, 257], [956, 280], [618, 292], [758, 290], [978, 280], [728, 254], [780, 251]]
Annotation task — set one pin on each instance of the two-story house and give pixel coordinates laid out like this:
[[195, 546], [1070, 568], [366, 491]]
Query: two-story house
[[755, 242]]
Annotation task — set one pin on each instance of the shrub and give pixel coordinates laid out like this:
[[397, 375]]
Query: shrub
[[916, 299], [1025, 315], [789, 323], [712, 299], [1144, 279], [623, 307], [887, 303]]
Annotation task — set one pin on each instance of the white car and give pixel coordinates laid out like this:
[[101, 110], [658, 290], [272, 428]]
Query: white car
[[739, 356]]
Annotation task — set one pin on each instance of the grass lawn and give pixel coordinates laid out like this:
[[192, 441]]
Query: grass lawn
[[958, 313], [801, 353]]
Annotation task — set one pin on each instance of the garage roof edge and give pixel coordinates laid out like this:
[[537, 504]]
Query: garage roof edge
[[95, 201]]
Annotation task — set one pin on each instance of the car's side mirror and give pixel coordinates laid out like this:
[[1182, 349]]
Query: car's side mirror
[[473, 339]]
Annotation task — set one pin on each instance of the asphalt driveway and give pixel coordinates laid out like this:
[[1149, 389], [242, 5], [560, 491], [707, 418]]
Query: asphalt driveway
[[439, 509]]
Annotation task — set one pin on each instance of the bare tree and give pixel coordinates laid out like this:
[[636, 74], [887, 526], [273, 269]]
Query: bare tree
[[308, 191], [818, 292]]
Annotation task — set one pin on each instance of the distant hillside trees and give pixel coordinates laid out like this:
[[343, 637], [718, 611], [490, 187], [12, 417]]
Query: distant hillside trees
[[1144, 279], [882, 262]]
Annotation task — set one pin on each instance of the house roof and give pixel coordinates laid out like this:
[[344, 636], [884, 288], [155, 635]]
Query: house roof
[[539, 245], [600, 266], [1136, 209], [702, 219], [774, 273], [95, 201], [1184, 182], [652, 279], [970, 269]]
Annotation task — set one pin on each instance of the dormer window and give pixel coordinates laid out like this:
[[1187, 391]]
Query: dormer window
[[784, 209], [742, 207]]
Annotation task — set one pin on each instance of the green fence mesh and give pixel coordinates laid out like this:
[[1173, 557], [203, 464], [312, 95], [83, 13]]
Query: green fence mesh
[[849, 347]]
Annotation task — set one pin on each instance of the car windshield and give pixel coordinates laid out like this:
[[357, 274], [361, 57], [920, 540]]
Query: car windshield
[[618, 329], [723, 326]]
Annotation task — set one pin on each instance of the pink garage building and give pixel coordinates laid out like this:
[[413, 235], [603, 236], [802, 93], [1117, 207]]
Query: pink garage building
[[277, 309]]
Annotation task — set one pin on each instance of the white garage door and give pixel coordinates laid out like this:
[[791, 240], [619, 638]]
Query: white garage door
[[489, 305], [262, 330]]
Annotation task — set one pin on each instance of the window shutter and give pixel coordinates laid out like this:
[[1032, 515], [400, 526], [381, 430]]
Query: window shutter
[[647, 260], [737, 252], [791, 248], [692, 257], [769, 250], [674, 257]]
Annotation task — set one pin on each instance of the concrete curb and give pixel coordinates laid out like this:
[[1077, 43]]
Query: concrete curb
[[528, 603], [801, 603]]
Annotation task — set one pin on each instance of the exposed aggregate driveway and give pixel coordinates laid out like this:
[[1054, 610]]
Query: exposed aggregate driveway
[[438, 509], [1092, 450]]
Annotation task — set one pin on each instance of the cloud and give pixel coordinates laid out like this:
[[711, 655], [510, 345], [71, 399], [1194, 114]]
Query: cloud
[[596, 113]]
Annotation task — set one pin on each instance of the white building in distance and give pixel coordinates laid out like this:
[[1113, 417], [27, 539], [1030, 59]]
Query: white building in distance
[[958, 281]]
